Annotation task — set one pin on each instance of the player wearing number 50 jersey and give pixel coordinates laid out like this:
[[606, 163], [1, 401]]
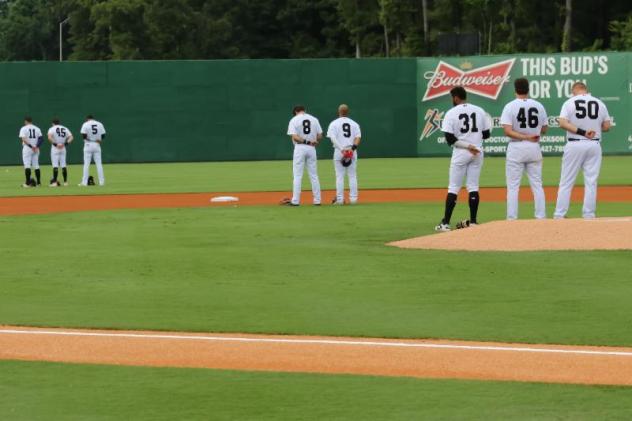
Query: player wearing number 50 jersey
[[524, 120], [345, 135], [93, 134], [59, 136], [584, 118], [31, 138], [464, 126], [305, 132]]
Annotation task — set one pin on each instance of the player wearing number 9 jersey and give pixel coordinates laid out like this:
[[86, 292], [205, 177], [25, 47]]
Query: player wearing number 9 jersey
[[524, 120], [464, 126], [345, 136], [59, 136], [584, 118], [93, 134], [305, 133]]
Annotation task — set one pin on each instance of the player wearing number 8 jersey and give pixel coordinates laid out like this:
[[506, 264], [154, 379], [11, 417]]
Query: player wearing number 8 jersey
[[305, 133], [464, 126], [524, 120], [584, 118], [59, 136], [93, 134]]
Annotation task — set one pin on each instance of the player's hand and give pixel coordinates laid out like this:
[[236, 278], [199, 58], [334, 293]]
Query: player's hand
[[36, 149], [533, 138], [590, 134], [473, 150], [60, 146]]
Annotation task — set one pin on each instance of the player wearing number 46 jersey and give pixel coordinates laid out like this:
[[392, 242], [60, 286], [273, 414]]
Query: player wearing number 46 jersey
[[93, 134], [524, 120], [59, 136], [584, 118], [464, 126], [31, 138], [305, 133]]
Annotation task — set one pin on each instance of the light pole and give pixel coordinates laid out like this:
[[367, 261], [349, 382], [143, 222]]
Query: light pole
[[61, 38]]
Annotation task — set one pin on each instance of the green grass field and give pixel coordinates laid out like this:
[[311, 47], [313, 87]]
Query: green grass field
[[277, 176], [301, 270]]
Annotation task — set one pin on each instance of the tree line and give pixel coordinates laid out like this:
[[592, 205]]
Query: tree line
[[221, 29]]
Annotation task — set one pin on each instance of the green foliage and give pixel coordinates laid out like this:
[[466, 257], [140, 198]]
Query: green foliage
[[198, 29]]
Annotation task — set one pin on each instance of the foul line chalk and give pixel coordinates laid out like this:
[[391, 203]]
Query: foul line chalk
[[317, 342]]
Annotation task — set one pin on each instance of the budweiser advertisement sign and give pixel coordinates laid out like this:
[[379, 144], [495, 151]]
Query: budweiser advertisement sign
[[485, 81]]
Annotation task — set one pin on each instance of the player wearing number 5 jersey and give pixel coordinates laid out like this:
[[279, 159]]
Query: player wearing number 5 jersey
[[305, 132], [584, 118], [464, 126], [346, 136], [59, 136], [524, 120], [31, 138], [93, 134]]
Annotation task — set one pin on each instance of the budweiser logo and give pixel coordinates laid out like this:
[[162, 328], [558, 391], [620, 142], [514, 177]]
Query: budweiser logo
[[485, 81], [433, 123]]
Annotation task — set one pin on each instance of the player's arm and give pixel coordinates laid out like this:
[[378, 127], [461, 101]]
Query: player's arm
[[570, 127], [357, 138], [605, 126], [607, 121], [510, 132], [70, 138], [50, 138]]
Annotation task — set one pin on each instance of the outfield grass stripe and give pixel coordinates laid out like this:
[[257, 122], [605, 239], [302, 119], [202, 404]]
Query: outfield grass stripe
[[332, 341]]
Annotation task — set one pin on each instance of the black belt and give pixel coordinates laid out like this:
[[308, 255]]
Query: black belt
[[574, 139]]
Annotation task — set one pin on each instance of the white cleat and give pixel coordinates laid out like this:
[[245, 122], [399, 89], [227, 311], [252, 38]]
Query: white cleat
[[82, 185], [65, 184], [26, 186], [53, 185], [443, 228]]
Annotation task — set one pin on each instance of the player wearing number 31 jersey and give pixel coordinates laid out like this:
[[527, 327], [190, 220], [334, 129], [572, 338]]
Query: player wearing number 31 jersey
[[464, 126], [524, 120], [305, 133], [584, 118]]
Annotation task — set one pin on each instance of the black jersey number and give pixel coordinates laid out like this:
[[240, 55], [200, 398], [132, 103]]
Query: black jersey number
[[94, 129], [32, 134], [346, 129], [469, 123], [307, 127], [61, 132], [528, 118], [583, 109]]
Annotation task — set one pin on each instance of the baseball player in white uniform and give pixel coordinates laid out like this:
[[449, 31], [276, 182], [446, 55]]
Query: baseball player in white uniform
[[584, 118], [93, 134], [346, 136], [59, 136], [464, 126], [305, 132], [524, 121], [31, 138]]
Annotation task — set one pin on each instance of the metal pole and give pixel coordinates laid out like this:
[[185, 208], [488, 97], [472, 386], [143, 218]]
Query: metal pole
[[61, 39]]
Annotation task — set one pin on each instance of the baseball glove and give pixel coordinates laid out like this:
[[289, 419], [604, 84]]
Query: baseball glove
[[347, 157], [463, 224], [91, 181]]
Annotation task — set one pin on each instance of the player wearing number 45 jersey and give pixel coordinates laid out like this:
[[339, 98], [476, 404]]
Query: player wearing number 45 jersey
[[305, 132], [584, 118], [59, 137], [524, 120], [464, 126]]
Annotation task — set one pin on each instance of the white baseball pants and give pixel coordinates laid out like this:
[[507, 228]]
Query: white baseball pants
[[58, 157], [352, 175], [584, 155], [92, 151], [30, 158], [305, 155], [524, 157], [465, 165]]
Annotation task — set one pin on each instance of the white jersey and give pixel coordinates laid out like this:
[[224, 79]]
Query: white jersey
[[467, 122], [60, 134], [526, 116], [342, 132], [305, 126], [93, 130], [586, 112], [32, 133]]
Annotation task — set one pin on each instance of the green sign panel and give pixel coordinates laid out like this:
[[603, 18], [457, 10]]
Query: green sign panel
[[489, 83]]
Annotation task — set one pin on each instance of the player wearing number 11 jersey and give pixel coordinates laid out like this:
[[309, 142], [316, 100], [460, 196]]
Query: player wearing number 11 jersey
[[305, 133], [524, 120], [464, 126]]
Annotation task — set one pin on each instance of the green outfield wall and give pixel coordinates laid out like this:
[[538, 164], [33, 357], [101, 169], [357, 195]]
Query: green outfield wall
[[239, 109], [209, 110]]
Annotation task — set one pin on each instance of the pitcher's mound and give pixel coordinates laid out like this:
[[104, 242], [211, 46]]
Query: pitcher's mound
[[524, 235]]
